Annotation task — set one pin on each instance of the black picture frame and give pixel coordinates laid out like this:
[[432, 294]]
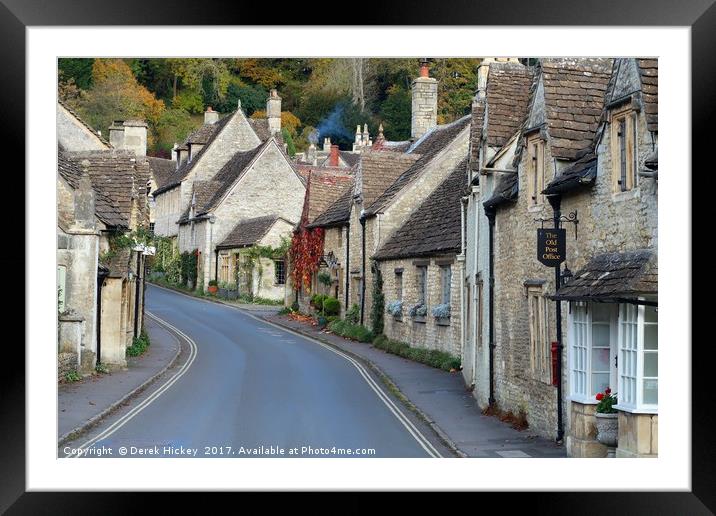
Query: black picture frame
[[16, 15]]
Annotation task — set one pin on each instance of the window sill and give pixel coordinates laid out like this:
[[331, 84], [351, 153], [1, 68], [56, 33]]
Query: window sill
[[442, 321], [419, 319], [626, 196], [583, 401], [633, 410]]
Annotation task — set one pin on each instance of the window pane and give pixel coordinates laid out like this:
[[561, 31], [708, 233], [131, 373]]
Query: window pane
[[601, 312], [651, 336], [651, 391], [600, 359], [600, 335], [650, 314], [600, 381], [651, 364]]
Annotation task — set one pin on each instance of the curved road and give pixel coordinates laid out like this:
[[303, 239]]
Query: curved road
[[252, 386]]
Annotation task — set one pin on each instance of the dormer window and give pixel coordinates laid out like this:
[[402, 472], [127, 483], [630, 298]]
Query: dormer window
[[624, 151], [535, 170]]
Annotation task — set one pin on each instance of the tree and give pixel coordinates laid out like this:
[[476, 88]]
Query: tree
[[173, 127], [79, 70], [378, 308], [395, 114]]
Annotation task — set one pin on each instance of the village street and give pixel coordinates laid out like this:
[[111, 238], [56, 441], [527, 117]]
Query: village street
[[252, 386]]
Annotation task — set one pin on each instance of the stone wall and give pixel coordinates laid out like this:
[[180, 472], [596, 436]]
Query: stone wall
[[638, 435], [166, 212], [66, 362], [432, 334]]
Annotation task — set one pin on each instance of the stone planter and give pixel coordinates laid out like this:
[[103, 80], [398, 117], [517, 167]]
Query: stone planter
[[222, 293], [232, 294], [607, 429], [442, 321], [419, 319]]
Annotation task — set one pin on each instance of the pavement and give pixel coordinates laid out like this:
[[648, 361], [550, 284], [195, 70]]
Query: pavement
[[441, 398], [81, 404]]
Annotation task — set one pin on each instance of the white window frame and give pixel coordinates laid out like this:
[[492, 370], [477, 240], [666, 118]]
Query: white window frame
[[637, 405], [587, 396]]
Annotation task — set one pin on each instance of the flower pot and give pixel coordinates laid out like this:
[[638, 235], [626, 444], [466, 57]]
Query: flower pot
[[607, 428], [213, 289]]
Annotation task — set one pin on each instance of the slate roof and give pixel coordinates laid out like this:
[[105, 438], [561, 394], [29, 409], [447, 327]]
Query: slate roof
[[427, 147], [506, 190], [248, 232], [574, 91], [105, 208], [162, 169], [338, 213], [79, 119], [323, 189], [379, 169], [582, 172], [435, 226], [392, 145], [209, 193], [118, 264], [118, 175], [261, 128], [649, 71], [508, 96], [614, 277], [175, 178]]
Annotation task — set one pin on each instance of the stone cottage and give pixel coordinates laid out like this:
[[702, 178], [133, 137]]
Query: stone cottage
[[498, 113], [254, 183], [421, 273]]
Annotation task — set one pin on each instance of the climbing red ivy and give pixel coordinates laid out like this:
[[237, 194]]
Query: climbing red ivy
[[305, 254]]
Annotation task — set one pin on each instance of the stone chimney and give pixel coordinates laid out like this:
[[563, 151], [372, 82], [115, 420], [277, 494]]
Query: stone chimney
[[84, 199], [333, 158], [311, 154], [182, 154], [210, 116], [129, 135], [273, 112], [174, 152], [424, 114], [366, 136]]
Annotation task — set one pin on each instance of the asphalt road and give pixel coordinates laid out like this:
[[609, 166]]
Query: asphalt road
[[251, 389]]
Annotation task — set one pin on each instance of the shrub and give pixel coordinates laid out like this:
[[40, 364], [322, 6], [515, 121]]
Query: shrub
[[331, 306], [139, 345], [325, 279], [419, 310], [394, 308], [72, 376], [353, 315], [441, 311], [213, 283], [294, 306], [351, 331], [432, 357], [378, 309]]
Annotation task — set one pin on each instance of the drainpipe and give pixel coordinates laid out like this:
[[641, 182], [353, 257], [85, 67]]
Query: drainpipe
[[101, 275], [556, 201], [362, 296], [216, 265], [136, 295], [490, 212], [347, 267]]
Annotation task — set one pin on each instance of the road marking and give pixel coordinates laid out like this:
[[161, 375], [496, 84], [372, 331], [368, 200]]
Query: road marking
[[410, 427], [394, 409], [145, 403], [512, 454]]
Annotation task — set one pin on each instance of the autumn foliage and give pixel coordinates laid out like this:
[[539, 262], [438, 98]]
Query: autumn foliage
[[305, 254]]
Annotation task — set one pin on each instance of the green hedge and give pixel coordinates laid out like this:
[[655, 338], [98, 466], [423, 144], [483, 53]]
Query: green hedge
[[351, 331], [432, 357]]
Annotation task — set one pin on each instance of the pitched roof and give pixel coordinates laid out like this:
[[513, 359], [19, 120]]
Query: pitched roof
[[262, 130], [614, 276], [427, 147], [249, 232], [175, 178], [338, 213], [582, 172], [119, 175], [105, 208], [323, 189], [507, 95], [162, 169], [379, 169], [79, 119], [209, 193], [649, 72], [505, 191], [434, 227], [574, 91]]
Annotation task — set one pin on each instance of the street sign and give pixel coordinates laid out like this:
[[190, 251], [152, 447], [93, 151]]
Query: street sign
[[551, 246]]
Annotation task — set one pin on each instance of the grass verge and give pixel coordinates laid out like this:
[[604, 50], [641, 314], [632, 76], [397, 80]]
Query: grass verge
[[432, 357]]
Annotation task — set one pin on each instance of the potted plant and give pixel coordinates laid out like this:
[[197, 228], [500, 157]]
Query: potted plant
[[395, 308], [442, 314], [231, 291], [222, 290], [607, 422], [213, 287], [418, 312]]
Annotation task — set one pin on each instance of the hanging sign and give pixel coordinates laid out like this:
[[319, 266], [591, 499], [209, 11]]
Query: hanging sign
[[551, 246]]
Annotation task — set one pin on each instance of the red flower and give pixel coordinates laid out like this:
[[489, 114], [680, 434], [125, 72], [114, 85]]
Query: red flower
[[608, 391], [600, 396]]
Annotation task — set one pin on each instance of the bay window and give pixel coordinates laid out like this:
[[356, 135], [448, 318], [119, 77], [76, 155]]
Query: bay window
[[614, 346]]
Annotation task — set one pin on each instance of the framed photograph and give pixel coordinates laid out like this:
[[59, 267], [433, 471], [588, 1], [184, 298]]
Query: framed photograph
[[329, 257]]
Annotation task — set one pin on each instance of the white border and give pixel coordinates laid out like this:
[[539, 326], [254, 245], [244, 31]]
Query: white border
[[670, 471]]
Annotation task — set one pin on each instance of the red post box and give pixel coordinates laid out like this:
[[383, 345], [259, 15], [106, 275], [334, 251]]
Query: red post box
[[555, 357]]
